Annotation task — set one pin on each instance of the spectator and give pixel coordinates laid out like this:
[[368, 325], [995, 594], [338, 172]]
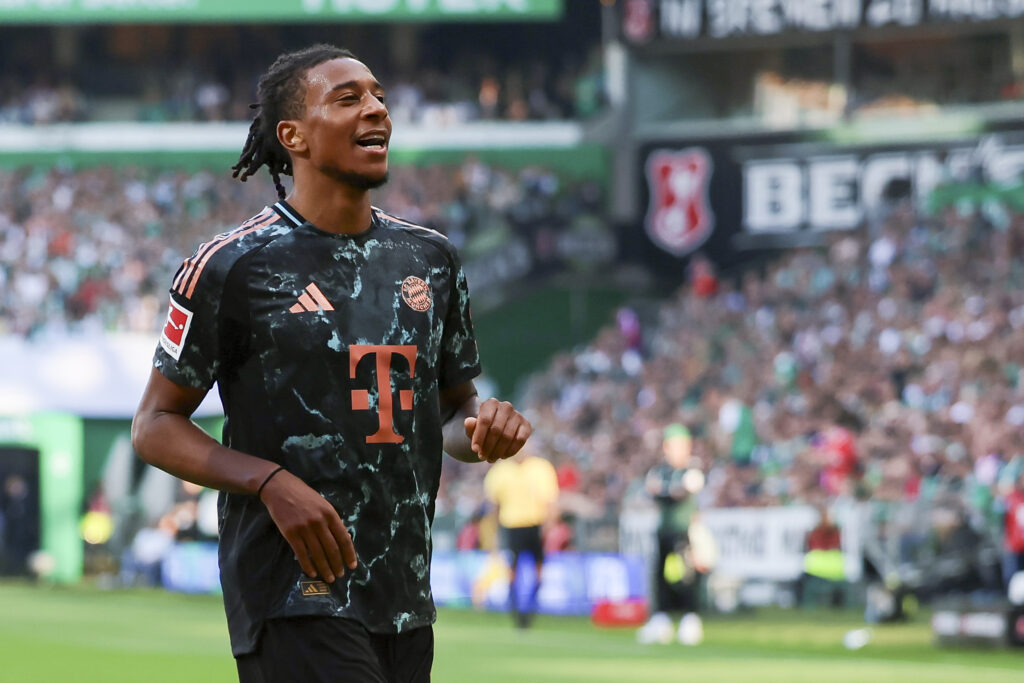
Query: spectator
[[1013, 536], [468, 537], [823, 562]]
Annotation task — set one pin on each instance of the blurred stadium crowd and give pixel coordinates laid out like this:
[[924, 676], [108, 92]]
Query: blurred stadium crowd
[[214, 79], [529, 91], [205, 75], [477, 86], [884, 366], [90, 250]]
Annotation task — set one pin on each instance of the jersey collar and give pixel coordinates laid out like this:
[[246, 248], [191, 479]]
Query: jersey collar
[[288, 213], [285, 210]]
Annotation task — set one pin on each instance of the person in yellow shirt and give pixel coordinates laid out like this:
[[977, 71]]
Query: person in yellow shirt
[[525, 491]]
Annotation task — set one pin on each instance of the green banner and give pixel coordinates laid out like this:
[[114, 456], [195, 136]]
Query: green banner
[[59, 439], [135, 11], [584, 161]]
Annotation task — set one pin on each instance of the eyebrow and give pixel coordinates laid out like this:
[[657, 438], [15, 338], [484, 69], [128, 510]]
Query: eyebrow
[[353, 84]]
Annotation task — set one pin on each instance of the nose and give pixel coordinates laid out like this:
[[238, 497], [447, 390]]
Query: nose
[[375, 108]]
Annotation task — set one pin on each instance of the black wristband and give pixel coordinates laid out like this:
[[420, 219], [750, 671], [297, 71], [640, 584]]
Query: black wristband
[[269, 477]]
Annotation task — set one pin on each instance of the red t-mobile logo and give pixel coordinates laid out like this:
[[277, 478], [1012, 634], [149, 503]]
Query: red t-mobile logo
[[385, 399]]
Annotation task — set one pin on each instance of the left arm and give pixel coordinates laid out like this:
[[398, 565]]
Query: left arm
[[491, 430]]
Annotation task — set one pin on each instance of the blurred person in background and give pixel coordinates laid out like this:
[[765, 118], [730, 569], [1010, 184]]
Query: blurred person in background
[[525, 492], [1013, 532], [17, 528], [823, 562], [673, 485], [340, 339], [559, 535], [468, 537]]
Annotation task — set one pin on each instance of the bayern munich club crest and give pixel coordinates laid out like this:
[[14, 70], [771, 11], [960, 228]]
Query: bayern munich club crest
[[679, 217], [416, 293]]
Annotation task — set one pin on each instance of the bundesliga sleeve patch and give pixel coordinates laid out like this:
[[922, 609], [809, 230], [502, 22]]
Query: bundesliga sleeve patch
[[179, 319]]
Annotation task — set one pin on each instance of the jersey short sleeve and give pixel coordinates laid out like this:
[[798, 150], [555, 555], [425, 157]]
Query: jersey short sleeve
[[188, 352], [460, 359]]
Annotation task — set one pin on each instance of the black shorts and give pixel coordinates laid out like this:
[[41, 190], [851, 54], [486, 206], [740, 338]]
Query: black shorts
[[524, 539], [334, 650]]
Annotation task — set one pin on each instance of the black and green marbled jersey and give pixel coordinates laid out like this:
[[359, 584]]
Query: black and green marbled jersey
[[329, 352]]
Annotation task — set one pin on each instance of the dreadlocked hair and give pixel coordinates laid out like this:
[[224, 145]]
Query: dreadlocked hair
[[280, 92]]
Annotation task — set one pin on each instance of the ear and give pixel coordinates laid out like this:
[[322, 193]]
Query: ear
[[290, 135]]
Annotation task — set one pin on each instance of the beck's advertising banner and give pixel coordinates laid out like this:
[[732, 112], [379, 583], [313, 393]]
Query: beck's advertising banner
[[731, 197]]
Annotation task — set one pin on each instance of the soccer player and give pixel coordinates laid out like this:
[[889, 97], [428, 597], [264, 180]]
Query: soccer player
[[525, 491], [341, 343]]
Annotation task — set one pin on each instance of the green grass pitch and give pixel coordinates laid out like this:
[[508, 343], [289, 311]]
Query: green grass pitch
[[85, 635]]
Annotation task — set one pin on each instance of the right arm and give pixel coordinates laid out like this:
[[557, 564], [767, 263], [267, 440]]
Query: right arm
[[164, 436]]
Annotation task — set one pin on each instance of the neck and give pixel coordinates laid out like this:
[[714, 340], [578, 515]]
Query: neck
[[331, 206]]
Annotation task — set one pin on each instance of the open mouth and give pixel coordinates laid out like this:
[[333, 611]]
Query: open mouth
[[373, 142]]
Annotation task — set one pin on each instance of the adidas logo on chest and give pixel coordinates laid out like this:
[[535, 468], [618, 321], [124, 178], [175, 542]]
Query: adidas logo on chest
[[311, 299]]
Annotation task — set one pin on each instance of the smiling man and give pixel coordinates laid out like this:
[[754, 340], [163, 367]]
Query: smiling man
[[341, 343]]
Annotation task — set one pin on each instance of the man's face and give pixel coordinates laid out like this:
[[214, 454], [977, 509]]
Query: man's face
[[676, 450], [346, 124]]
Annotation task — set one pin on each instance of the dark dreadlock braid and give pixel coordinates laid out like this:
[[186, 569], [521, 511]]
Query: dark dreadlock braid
[[281, 91]]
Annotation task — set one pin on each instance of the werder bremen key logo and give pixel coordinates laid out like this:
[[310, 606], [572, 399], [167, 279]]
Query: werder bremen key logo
[[679, 218], [385, 399]]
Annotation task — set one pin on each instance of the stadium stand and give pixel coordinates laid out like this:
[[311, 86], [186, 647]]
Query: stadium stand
[[197, 73], [82, 249], [882, 368]]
